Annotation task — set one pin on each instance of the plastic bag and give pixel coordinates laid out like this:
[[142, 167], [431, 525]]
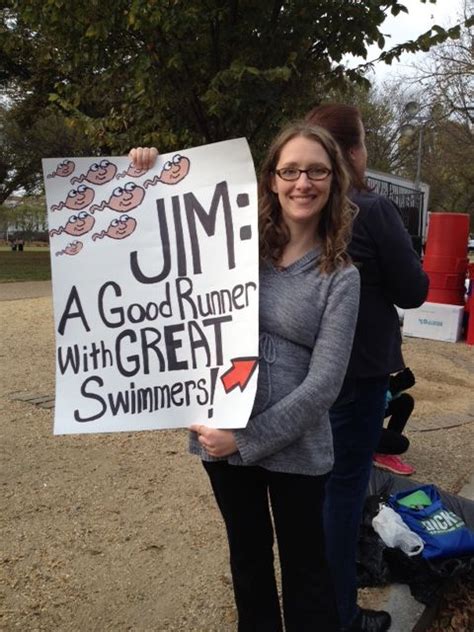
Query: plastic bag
[[395, 533]]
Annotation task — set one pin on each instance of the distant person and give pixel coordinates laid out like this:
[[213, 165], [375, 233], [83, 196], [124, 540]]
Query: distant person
[[392, 441], [269, 478], [20, 244], [391, 274]]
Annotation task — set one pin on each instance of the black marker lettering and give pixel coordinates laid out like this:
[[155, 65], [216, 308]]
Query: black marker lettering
[[165, 249], [85, 393], [120, 320], [73, 298], [208, 222]]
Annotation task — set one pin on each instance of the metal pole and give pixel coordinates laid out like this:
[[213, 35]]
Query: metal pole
[[418, 159]]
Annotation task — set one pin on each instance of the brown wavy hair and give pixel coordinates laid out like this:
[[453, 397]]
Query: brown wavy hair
[[344, 122], [334, 227]]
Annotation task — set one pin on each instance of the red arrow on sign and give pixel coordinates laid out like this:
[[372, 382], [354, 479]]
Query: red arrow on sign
[[239, 374]]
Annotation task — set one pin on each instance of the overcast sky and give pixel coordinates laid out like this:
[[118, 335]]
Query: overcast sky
[[409, 26]]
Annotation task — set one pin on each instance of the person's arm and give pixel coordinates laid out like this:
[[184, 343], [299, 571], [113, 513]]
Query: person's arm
[[403, 279], [288, 419], [401, 381]]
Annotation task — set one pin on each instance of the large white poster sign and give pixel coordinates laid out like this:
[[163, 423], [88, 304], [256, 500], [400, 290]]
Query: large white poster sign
[[155, 289]]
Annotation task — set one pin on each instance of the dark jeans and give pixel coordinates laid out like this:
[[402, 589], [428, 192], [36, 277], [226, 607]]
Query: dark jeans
[[399, 410], [356, 421], [244, 495]]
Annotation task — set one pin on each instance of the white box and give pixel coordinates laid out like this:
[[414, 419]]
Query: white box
[[435, 321]]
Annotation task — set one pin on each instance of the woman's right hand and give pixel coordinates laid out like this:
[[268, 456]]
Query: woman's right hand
[[143, 157]]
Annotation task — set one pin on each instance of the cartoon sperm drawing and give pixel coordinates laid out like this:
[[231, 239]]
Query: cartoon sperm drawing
[[64, 169], [76, 199], [173, 171], [124, 198], [76, 225], [118, 228], [132, 172], [71, 249], [98, 173]]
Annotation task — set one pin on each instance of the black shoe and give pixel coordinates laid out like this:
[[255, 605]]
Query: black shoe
[[371, 621]]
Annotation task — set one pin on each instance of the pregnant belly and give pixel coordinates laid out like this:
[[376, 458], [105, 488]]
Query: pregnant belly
[[282, 367]]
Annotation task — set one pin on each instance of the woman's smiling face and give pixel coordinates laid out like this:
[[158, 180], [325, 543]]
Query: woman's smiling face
[[302, 200]]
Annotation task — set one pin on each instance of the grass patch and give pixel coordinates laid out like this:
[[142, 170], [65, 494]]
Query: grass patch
[[24, 266]]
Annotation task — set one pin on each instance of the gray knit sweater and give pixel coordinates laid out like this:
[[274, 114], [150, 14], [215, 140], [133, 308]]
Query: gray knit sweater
[[307, 322]]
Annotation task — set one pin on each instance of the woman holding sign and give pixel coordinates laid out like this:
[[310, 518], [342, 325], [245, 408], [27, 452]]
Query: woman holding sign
[[309, 295]]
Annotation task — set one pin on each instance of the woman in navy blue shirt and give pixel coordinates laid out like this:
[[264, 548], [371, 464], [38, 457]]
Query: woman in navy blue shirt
[[391, 274]]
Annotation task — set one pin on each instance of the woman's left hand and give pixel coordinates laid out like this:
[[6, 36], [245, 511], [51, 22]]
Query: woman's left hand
[[216, 442], [143, 157]]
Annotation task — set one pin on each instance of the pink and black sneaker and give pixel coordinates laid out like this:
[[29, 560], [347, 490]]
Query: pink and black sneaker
[[393, 464]]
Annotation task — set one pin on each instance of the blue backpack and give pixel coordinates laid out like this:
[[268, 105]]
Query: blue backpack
[[442, 531]]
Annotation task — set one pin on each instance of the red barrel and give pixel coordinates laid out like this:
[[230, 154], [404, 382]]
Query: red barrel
[[447, 297], [447, 235], [441, 264], [446, 281], [445, 259]]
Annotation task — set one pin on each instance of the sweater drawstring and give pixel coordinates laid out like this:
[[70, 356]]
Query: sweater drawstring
[[267, 353]]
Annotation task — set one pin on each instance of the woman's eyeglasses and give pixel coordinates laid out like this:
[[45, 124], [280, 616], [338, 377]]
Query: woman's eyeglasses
[[292, 174]]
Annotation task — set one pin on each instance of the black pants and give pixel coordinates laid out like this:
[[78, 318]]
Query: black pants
[[399, 410], [244, 495]]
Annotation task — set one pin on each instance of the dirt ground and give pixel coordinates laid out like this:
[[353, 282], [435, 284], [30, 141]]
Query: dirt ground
[[120, 532]]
